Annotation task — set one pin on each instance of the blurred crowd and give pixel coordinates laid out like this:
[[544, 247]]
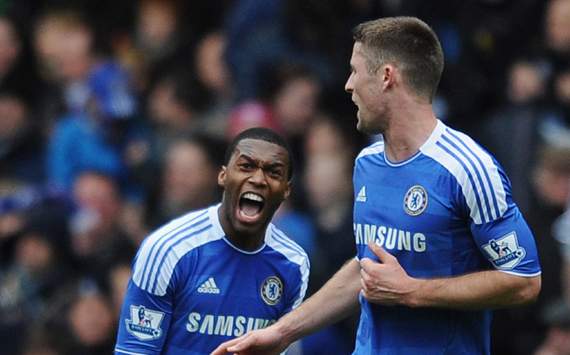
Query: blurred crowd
[[114, 117]]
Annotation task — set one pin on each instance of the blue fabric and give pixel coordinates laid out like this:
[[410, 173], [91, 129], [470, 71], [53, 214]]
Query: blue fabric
[[446, 211], [192, 289], [78, 145], [299, 226]]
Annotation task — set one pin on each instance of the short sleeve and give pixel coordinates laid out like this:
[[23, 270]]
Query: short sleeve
[[144, 322], [508, 244], [506, 241]]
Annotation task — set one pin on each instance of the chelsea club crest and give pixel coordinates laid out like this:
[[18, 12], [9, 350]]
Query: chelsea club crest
[[271, 290], [416, 200]]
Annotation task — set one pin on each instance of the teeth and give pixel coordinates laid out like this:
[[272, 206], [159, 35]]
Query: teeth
[[253, 197]]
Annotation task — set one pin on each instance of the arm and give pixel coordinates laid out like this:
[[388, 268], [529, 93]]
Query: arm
[[334, 301], [388, 283], [144, 323]]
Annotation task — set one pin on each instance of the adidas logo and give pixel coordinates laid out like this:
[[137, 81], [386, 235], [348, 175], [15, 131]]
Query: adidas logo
[[209, 287], [361, 197]]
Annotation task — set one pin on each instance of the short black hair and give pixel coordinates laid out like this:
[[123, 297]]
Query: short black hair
[[264, 134]]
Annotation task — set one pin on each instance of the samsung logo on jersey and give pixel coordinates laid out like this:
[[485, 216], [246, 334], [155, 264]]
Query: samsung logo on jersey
[[211, 324], [389, 238]]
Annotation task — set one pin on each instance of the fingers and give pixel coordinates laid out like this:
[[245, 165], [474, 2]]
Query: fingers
[[244, 342], [382, 254], [224, 348]]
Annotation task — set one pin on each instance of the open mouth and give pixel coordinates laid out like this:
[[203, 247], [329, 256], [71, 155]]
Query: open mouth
[[250, 207]]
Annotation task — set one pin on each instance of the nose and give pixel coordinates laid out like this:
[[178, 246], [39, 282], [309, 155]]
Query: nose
[[258, 178], [348, 85]]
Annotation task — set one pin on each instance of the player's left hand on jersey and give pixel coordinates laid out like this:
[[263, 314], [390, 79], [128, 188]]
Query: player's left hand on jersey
[[386, 282]]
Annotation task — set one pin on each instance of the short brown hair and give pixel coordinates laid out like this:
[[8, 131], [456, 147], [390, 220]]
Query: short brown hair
[[407, 42]]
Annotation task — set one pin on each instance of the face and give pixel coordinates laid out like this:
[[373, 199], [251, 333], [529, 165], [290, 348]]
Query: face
[[367, 93], [91, 320], [9, 46], [255, 183], [190, 178], [296, 104], [558, 25], [525, 83]]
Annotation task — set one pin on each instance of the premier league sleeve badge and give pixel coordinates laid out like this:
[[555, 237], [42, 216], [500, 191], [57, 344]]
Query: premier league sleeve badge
[[144, 324]]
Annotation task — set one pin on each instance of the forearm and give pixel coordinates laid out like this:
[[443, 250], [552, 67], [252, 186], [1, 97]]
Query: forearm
[[485, 289], [337, 299]]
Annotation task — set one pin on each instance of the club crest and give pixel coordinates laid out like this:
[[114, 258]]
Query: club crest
[[271, 290], [144, 323], [415, 200], [505, 253]]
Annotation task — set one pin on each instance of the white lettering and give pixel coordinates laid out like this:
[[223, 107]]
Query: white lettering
[[404, 242], [369, 233], [419, 242], [224, 325], [381, 235], [389, 238], [358, 233], [250, 323], [261, 323], [207, 325], [193, 322], [240, 322]]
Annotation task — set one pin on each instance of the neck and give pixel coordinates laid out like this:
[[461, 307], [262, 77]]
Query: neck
[[244, 240], [411, 124]]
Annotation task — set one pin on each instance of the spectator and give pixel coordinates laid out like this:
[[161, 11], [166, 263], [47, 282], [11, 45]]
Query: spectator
[[91, 323], [519, 119], [30, 283], [174, 108], [189, 179], [213, 72], [97, 239], [21, 145]]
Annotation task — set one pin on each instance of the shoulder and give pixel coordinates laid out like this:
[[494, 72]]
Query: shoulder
[[161, 251], [475, 171], [285, 246], [458, 152], [375, 148]]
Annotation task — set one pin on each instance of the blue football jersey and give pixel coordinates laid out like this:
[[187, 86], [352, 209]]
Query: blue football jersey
[[445, 211], [192, 289]]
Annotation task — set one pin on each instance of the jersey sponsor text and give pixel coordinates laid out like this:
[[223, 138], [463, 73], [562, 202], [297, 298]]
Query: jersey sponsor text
[[389, 237], [212, 324]]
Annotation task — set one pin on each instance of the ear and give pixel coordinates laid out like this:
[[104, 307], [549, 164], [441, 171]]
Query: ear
[[287, 191], [222, 177], [388, 73]]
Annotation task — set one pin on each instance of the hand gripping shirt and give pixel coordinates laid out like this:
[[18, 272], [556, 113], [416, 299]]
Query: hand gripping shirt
[[192, 289], [446, 211]]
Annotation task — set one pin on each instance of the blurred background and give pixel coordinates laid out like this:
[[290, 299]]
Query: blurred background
[[114, 116]]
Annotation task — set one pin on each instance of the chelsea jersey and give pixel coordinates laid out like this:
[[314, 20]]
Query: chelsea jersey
[[192, 289], [446, 211]]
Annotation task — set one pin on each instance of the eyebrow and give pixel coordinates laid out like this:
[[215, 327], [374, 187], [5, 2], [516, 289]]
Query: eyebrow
[[252, 160]]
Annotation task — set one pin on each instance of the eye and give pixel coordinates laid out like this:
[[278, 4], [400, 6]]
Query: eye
[[247, 166], [276, 173]]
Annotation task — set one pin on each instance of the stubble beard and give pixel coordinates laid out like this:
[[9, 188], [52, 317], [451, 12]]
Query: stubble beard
[[371, 125]]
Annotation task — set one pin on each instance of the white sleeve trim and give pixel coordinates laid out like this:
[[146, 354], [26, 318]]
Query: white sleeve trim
[[121, 351]]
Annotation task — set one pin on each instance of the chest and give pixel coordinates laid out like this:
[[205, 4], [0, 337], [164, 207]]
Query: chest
[[235, 287], [408, 209]]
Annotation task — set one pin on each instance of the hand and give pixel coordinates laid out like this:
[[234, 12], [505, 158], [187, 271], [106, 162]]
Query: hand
[[386, 283], [266, 341]]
